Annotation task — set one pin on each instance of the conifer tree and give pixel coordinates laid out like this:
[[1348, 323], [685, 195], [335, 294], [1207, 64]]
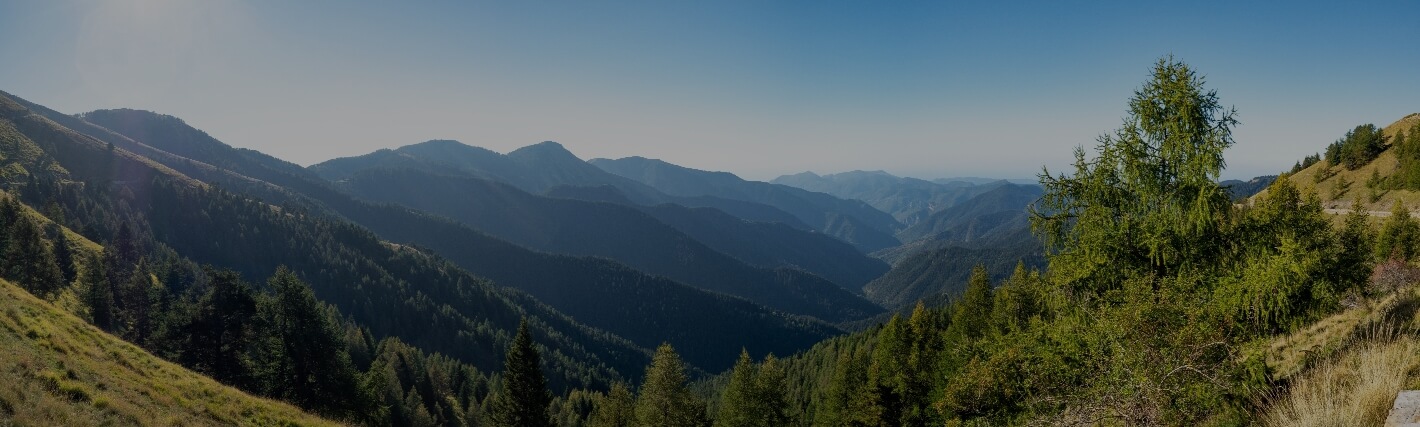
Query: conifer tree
[[63, 254], [524, 398], [98, 296], [615, 409], [220, 332], [1148, 204], [665, 399], [306, 361], [771, 385], [1398, 236], [29, 263], [972, 318], [738, 405], [849, 401]]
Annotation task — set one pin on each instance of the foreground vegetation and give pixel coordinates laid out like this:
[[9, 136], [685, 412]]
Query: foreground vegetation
[[57, 370]]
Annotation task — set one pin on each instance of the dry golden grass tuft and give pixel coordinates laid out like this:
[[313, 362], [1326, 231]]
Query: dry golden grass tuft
[[57, 370], [1356, 388]]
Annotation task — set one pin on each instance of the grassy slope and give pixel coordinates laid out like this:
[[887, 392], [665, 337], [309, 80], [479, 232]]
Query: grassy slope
[[1385, 164], [55, 369], [1347, 368]]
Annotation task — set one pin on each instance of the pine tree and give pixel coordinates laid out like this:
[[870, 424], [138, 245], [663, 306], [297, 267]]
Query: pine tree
[[738, 405], [665, 400], [849, 400], [972, 317], [135, 304], [523, 399], [1398, 236], [771, 386], [63, 254], [98, 296], [615, 409]]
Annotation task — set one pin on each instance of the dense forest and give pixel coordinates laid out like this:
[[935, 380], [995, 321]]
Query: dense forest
[[1142, 294]]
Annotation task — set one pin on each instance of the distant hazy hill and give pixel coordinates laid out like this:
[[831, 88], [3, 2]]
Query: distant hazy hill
[[1241, 190], [58, 370], [621, 233], [853, 221], [764, 244], [909, 200], [982, 220], [941, 274], [596, 292]]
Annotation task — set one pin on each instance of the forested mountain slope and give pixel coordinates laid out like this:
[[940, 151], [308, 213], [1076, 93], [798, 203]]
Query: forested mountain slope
[[392, 291], [909, 200], [853, 221], [582, 287], [619, 232]]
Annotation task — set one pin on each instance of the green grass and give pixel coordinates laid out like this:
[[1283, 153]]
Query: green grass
[[55, 369]]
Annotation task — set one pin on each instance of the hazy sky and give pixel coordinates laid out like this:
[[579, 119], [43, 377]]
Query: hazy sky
[[758, 87]]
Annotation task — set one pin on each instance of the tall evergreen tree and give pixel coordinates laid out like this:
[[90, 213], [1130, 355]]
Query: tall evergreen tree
[[972, 317], [1148, 204], [523, 398], [98, 296], [665, 400], [849, 400], [771, 385], [63, 254], [738, 404]]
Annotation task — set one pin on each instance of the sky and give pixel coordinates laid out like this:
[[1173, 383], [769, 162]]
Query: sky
[[760, 88]]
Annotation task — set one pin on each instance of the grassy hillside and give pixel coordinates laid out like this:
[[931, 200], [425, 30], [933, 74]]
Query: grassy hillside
[[1386, 165], [55, 369]]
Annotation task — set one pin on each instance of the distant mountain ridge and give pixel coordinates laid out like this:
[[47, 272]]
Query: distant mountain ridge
[[618, 232], [909, 200], [850, 220]]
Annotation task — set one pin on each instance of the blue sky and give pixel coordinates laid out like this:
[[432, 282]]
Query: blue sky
[[759, 88]]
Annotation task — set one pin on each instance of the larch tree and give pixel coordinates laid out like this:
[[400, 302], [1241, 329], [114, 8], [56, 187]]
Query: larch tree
[[665, 399]]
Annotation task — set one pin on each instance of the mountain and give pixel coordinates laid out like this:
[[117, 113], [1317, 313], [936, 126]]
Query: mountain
[[614, 231], [391, 290], [59, 370], [994, 217], [596, 292], [941, 273], [909, 200], [853, 221], [534, 168], [1242, 190]]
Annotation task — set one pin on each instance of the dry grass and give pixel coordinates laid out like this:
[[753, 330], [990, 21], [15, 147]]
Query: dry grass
[[1356, 388], [56, 370]]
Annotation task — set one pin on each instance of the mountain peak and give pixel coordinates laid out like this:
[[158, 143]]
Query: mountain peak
[[544, 150]]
